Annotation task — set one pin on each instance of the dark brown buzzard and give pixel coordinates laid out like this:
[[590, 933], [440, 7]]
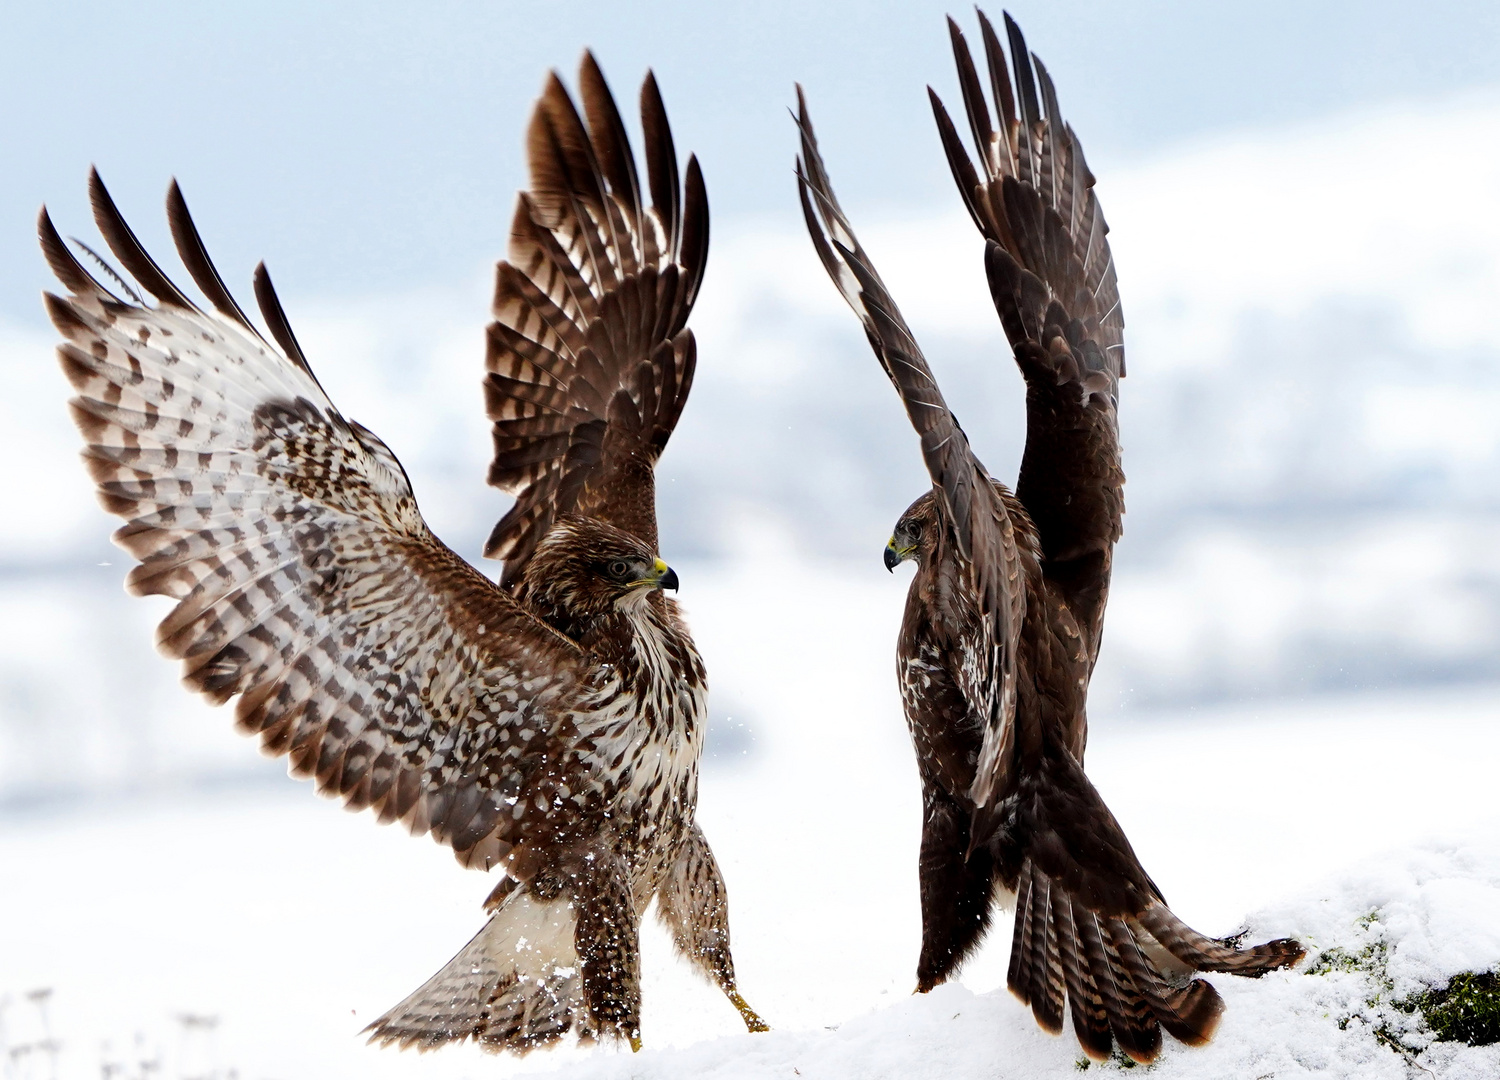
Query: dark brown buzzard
[[551, 727], [1003, 618]]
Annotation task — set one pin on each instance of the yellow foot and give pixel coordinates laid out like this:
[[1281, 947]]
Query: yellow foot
[[635, 1042], [753, 1022]]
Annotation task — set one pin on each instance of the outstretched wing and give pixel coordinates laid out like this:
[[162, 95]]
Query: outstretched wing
[[306, 582], [589, 360], [1053, 282], [981, 527]]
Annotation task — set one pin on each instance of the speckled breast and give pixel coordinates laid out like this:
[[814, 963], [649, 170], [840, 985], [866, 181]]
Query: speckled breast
[[651, 754]]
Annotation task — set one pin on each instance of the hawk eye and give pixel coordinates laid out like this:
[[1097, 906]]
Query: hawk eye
[[619, 569]]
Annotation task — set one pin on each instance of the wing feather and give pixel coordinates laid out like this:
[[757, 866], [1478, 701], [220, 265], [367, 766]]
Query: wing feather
[[980, 525], [122, 241], [194, 255], [591, 304], [1052, 279], [382, 665]]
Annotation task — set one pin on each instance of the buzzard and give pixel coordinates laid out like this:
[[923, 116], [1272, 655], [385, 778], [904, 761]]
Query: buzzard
[[551, 725], [1004, 615]]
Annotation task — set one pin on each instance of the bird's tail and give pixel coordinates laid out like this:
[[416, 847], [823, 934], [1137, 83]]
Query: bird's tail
[[515, 986], [1092, 926], [1126, 977]]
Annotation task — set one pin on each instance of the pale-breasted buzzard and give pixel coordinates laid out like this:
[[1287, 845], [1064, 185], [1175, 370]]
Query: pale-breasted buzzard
[[551, 727], [1003, 618]]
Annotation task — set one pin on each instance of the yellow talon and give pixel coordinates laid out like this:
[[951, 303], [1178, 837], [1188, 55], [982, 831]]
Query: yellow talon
[[753, 1022], [635, 1042]]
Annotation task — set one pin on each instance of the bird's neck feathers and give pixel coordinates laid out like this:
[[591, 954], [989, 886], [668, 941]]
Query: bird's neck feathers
[[635, 632], [941, 585], [615, 631]]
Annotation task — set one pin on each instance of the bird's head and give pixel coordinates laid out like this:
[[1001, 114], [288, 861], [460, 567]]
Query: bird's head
[[584, 569], [915, 533]]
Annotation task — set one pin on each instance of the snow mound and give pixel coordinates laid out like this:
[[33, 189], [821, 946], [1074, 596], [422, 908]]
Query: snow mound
[[1410, 921]]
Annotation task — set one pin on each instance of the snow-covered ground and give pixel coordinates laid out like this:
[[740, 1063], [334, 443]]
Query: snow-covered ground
[[295, 924]]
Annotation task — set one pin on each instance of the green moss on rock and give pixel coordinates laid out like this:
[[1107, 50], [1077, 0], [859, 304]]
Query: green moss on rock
[[1467, 1010], [1370, 960]]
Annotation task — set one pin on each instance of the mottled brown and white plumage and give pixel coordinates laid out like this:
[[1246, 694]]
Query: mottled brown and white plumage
[[590, 360], [551, 727], [1004, 615]]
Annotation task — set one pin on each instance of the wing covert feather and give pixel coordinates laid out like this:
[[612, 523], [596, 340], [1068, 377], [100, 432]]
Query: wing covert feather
[[305, 581]]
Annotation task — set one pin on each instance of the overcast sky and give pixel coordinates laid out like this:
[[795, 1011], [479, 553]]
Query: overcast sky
[[366, 147]]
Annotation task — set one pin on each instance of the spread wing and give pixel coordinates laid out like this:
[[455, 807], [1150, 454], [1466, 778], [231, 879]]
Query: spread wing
[[1053, 282], [981, 528], [306, 582], [589, 360]]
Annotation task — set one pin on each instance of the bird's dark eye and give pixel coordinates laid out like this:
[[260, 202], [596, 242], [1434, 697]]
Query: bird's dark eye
[[619, 569]]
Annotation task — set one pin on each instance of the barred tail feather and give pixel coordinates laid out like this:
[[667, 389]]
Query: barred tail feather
[[1206, 954], [1091, 922], [1123, 975], [515, 986], [1190, 1013], [1085, 1002]]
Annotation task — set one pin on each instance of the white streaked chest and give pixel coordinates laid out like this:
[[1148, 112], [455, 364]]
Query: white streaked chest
[[649, 739]]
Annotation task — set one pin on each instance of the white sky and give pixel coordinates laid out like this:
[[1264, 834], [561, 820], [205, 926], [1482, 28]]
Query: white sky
[[364, 147]]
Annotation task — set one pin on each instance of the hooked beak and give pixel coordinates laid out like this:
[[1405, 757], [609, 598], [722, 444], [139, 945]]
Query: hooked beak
[[661, 576], [895, 556]]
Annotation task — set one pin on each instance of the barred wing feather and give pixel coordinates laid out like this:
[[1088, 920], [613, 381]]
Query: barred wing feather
[[589, 359], [974, 510], [306, 582], [1052, 279]]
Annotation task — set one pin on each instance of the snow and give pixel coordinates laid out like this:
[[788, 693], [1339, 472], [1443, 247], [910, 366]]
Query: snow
[[295, 924]]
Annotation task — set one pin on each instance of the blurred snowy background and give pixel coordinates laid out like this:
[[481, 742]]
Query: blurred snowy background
[[1301, 197], [1301, 209]]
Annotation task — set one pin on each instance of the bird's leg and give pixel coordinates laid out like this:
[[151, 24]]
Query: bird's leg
[[752, 1019], [694, 904], [607, 938]]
